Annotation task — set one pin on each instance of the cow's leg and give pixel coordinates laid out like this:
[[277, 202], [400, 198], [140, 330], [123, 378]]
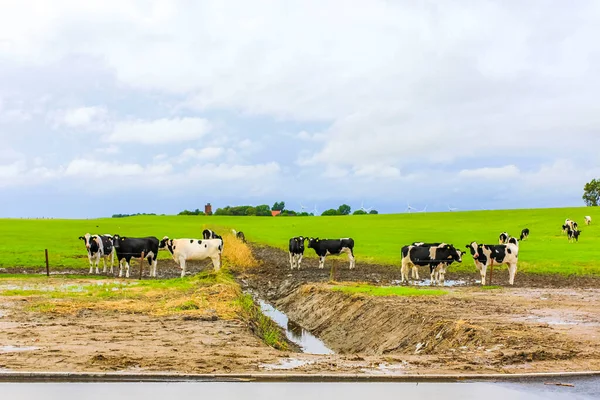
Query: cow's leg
[[104, 263], [120, 267], [321, 262], [215, 260], [298, 260], [482, 271], [292, 256], [432, 276], [182, 266], [127, 260], [415, 272], [404, 272], [351, 258], [97, 262], [512, 272], [112, 261], [90, 260]]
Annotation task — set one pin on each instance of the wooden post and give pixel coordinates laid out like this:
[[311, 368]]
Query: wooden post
[[47, 263], [141, 264], [332, 273]]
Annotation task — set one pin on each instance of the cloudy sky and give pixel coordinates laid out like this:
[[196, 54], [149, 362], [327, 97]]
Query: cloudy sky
[[156, 106]]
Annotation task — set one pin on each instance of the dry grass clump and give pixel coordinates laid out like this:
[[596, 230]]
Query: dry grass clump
[[237, 254]]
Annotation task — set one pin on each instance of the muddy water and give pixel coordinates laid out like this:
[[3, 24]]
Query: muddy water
[[291, 391], [297, 334]]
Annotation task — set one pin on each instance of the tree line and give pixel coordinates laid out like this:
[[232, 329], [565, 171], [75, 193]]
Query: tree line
[[264, 210]]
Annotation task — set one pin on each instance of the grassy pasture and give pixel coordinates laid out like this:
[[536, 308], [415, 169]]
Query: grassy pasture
[[383, 291], [378, 237]]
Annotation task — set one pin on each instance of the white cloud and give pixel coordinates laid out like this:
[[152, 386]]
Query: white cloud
[[112, 149], [506, 172], [159, 131], [83, 116], [229, 172], [207, 153]]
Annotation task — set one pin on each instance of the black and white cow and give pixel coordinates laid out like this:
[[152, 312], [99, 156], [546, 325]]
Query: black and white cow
[[186, 249], [128, 248], [239, 235], [513, 240], [99, 246], [425, 244], [325, 247], [524, 234], [208, 234], [503, 238], [486, 255], [569, 223], [296, 249], [437, 256], [588, 220], [573, 234]]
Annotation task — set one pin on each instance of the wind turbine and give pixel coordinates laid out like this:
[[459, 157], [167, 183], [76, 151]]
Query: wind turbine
[[315, 212], [424, 210], [409, 208], [362, 207], [452, 209], [302, 208]]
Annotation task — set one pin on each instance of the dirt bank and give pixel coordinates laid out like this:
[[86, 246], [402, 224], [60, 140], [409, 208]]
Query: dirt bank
[[542, 324]]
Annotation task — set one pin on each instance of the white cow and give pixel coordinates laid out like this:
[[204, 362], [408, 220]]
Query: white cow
[[186, 249], [588, 220]]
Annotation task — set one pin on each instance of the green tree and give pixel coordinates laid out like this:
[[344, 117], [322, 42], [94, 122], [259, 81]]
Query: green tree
[[373, 212], [344, 209], [331, 211], [251, 211], [591, 192], [278, 206], [359, 212], [263, 210]]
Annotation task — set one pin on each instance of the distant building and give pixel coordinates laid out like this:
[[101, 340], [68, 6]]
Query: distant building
[[275, 213], [208, 209]]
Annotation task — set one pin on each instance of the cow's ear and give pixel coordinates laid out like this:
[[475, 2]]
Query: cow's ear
[[81, 238]]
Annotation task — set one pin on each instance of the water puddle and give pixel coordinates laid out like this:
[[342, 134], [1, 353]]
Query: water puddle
[[288, 363], [15, 349], [427, 282], [559, 321], [307, 341]]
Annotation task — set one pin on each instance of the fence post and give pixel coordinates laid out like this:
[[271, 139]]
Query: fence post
[[141, 264], [47, 263]]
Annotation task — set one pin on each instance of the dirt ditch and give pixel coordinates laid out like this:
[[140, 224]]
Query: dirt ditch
[[544, 323]]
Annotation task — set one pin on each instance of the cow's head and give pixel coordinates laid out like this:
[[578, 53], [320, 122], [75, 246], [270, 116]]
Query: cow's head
[[474, 248], [87, 238], [165, 242], [312, 242], [116, 239]]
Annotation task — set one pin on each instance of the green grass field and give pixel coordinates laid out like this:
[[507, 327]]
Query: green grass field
[[378, 237]]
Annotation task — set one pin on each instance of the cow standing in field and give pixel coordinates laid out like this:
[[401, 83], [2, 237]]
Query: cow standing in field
[[325, 247], [503, 238], [99, 246], [128, 248], [588, 220], [573, 234], [239, 235], [437, 256], [524, 234], [186, 249], [486, 255], [296, 249]]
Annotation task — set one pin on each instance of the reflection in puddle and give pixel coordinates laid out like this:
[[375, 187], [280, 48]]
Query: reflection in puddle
[[303, 338]]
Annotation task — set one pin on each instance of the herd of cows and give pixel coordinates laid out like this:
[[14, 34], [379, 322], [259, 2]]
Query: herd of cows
[[437, 256]]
